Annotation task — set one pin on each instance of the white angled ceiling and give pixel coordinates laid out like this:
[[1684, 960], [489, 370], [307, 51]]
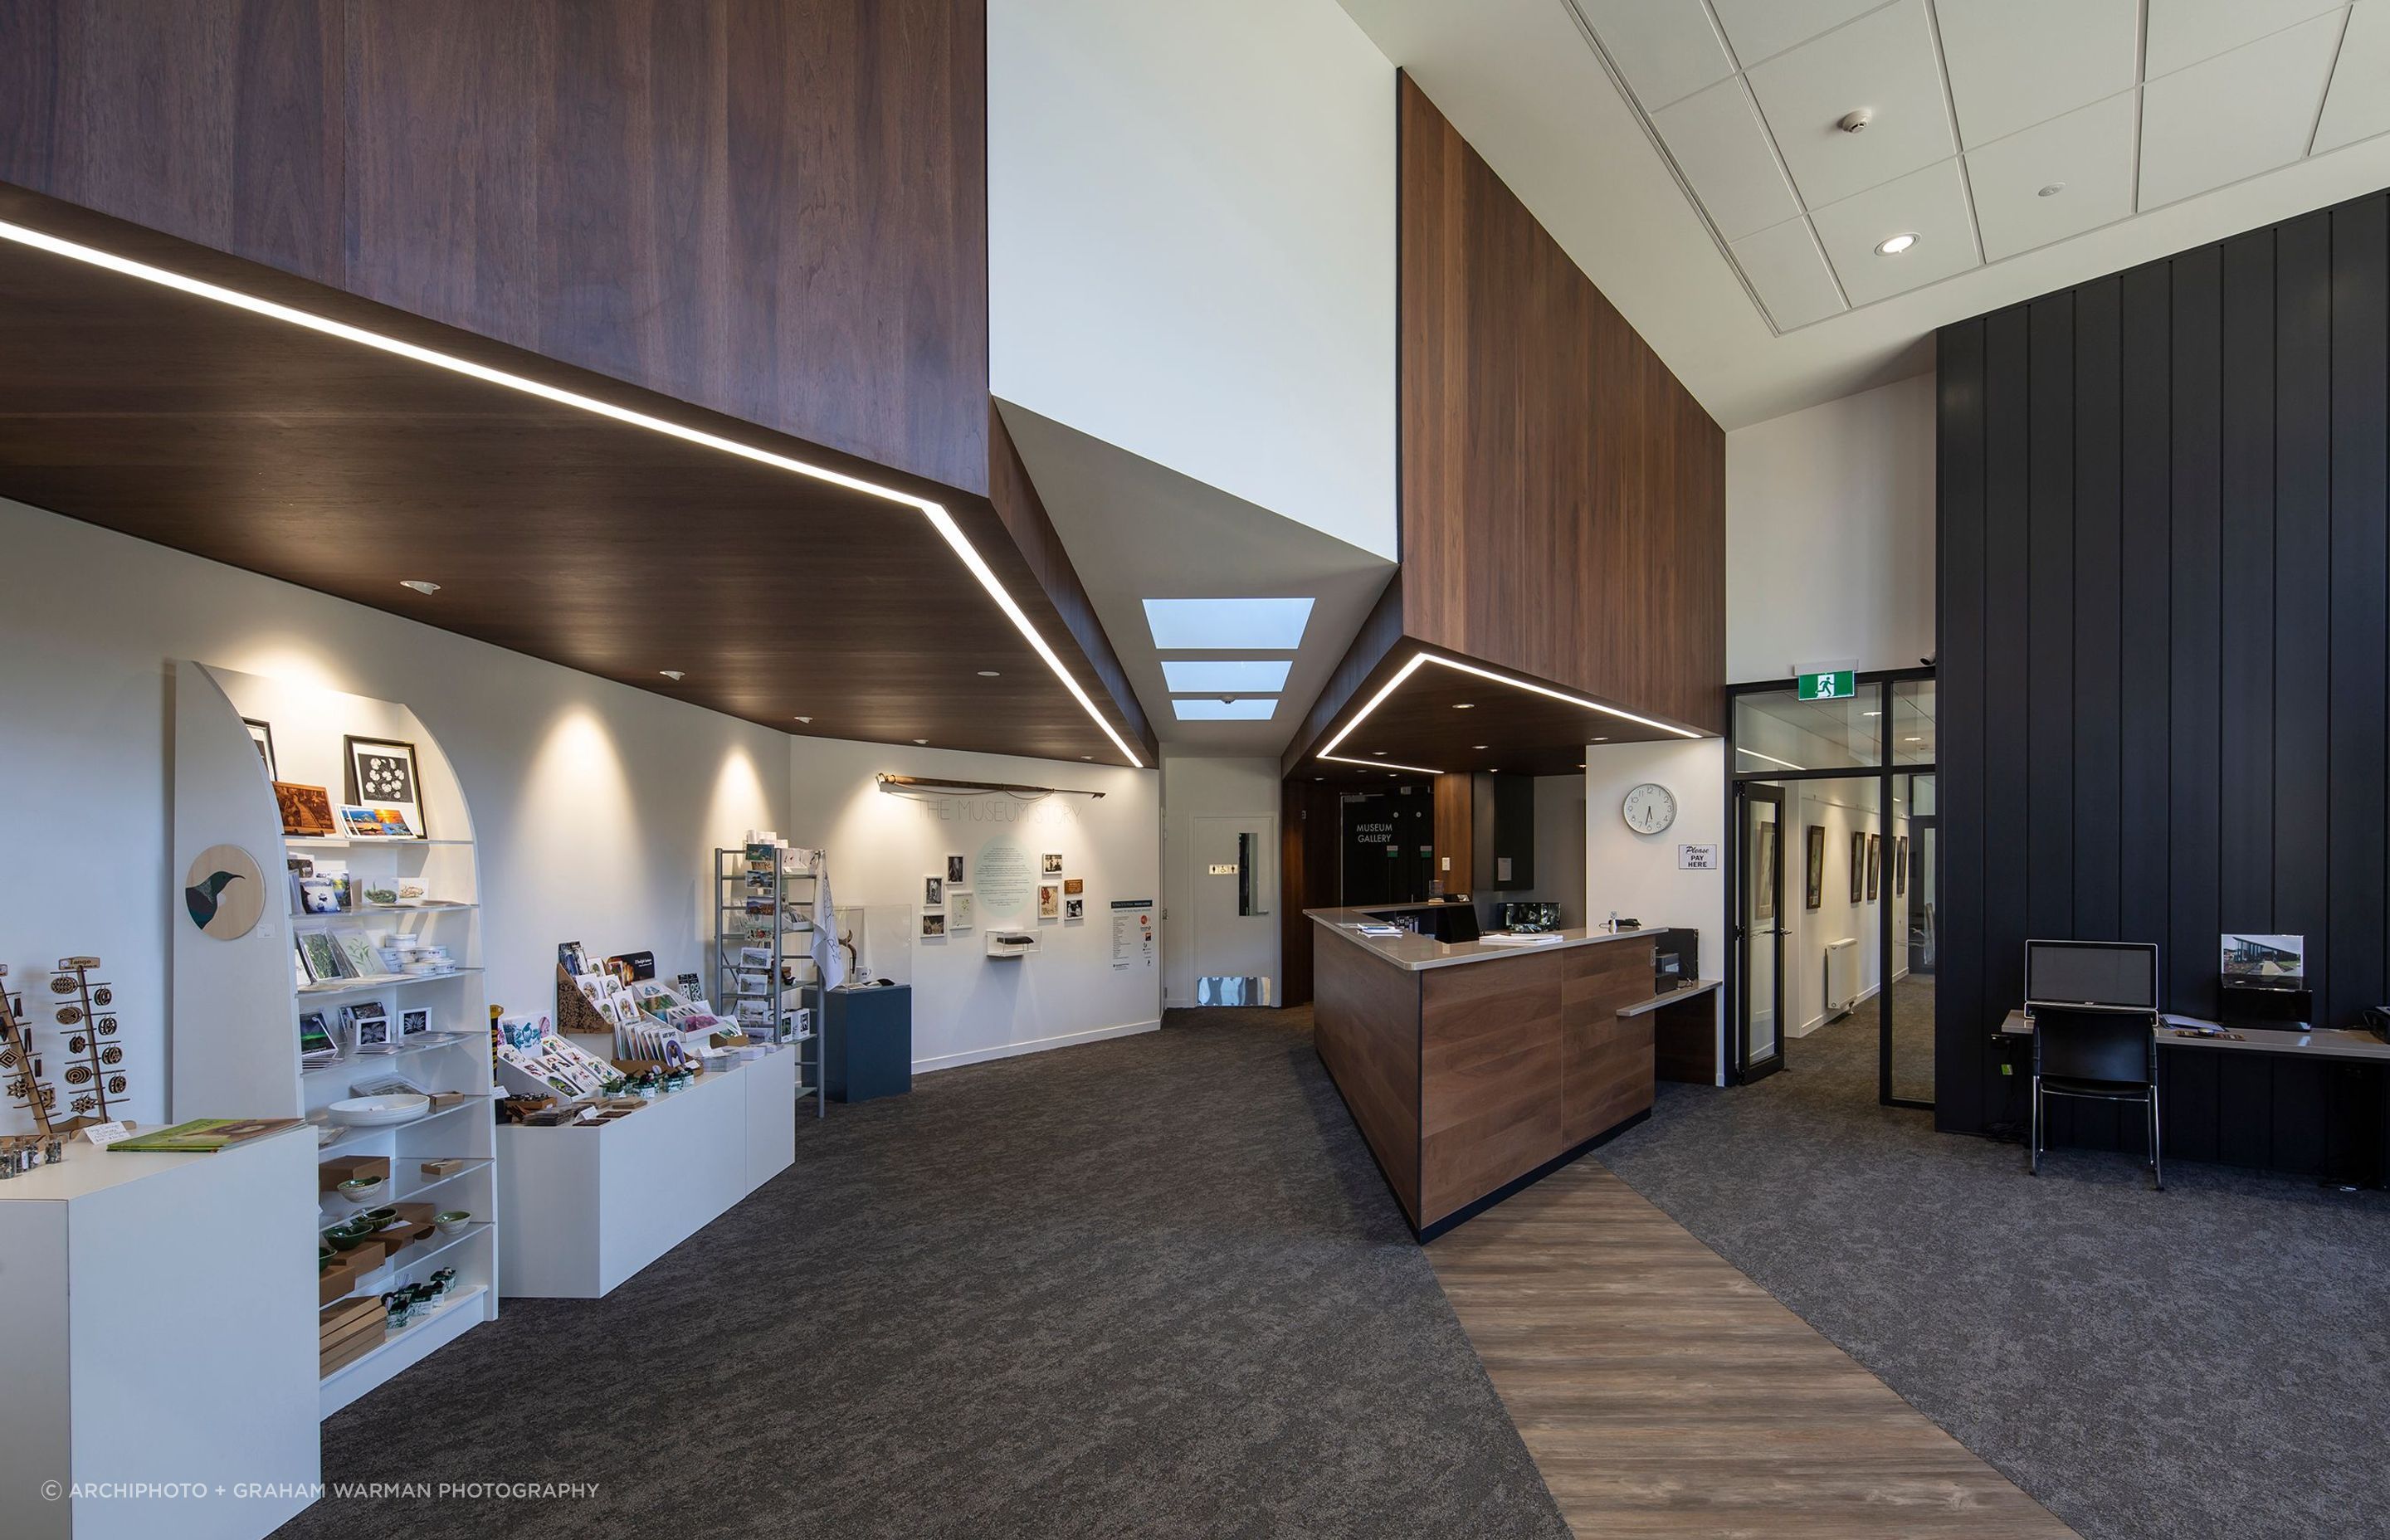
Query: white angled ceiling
[[1674, 149], [1994, 127]]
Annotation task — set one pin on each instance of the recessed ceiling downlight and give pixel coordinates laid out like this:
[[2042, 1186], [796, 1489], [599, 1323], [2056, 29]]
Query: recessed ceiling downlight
[[419, 585], [1896, 244], [675, 675]]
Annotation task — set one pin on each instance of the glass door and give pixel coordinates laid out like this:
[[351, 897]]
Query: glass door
[[1759, 930]]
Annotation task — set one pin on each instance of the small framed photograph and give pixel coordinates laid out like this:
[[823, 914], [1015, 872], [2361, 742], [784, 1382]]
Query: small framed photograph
[[382, 773], [933, 925], [933, 892], [262, 733], [368, 1027], [307, 810], [1049, 901], [962, 909], [1053, 864], [414, 1022], [1074, 885], [1074, 908], [360, 822], [954, 870]]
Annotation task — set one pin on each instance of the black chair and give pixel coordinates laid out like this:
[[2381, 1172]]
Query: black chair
[[2096, 1055]]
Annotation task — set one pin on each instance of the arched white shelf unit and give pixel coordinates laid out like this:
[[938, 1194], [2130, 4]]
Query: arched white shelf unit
[[234, 1047]]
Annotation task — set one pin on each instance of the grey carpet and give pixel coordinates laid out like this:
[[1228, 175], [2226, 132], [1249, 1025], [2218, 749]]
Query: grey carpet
[[1152, 1287], [2209, 1360]]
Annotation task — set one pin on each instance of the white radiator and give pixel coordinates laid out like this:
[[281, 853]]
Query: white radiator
[[1842, 975]]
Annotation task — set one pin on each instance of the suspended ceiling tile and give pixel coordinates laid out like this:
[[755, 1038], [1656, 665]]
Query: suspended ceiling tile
[[1885, 63], [2357, 106], [2014, 63], [1762, 28], [2184, 31], [2235, 115], [2088, 155], [1720, 145], [1930, 204], [1790, 272], [1668, 50]]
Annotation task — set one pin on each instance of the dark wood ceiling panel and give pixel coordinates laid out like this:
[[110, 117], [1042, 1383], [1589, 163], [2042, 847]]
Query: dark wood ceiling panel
[[603, 547], [1439, 716]]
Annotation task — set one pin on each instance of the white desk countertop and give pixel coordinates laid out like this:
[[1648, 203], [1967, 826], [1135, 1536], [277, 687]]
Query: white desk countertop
[[2322, 1043], [1413, 952]]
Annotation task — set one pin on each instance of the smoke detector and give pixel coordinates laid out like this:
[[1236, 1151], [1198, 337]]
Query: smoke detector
[[1855, 120]]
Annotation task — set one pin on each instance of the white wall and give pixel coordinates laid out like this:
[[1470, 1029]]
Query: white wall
[[1637, 874], [1829, 534], [1191, 243], [595, 805], [1841, 807], [966, 1006], [1220, 944]]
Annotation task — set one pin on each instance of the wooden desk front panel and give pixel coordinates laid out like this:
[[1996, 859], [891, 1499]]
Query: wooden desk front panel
[[1521, 1060], [1365, 1022]]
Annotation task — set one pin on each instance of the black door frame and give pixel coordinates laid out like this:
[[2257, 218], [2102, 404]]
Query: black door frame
[[1885, 771], [1745, 1071]]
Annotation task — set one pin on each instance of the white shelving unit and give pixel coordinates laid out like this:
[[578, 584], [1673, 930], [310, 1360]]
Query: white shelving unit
[[234, 1050]]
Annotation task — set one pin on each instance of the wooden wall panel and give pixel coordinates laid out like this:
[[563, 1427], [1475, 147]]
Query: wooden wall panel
[[217, 120], [1308, 876], [2163, 666], [1563, 504], [1367, 1028], [773, 209]]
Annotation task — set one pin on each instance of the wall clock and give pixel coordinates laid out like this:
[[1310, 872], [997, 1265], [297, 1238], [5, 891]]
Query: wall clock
[[1649, 808]]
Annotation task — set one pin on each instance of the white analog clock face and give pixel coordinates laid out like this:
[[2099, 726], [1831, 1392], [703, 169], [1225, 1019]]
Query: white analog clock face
[[1649, 808]]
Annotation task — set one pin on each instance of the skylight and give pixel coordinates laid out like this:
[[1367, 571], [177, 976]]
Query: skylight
[[1242, 626], [1225, 676], [1212, 710]]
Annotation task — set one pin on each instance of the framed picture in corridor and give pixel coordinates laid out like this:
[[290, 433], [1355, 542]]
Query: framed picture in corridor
[[1815, 893]]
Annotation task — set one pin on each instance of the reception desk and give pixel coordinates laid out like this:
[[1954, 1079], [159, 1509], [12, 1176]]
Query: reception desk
[[1475, 1068]]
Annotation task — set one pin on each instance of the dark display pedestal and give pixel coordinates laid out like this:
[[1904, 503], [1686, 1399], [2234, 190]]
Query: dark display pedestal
[[869, 1046]]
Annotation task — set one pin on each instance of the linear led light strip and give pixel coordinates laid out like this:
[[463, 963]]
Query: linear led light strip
[[939, 519], [1769, 758], [1412, 667]]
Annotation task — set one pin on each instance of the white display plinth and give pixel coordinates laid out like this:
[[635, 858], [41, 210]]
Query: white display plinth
[[586, 1208], [158, 1319]]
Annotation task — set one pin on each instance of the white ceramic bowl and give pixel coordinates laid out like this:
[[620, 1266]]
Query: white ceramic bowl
[[367, 1111]]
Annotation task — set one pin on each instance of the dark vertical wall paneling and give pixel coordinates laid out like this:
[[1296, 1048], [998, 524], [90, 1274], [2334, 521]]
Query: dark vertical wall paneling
[[1959, 654], [2165, 670]]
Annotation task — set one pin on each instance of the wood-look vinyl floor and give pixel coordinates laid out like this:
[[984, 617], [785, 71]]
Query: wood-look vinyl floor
[[1663, 1393]]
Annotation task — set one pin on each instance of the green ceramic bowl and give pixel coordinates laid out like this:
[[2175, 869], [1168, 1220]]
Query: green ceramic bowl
[[323, 1256], [346, 1240], [357, 1190]]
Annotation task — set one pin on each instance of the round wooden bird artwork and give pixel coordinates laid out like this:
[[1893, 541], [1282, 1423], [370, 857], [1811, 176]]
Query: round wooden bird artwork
[[225, 892]]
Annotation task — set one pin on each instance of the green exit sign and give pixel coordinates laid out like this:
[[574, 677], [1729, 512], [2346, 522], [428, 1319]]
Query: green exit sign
[[1839, 685]]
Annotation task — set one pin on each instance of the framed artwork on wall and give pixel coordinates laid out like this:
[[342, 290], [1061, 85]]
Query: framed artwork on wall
[[1053, 864], [933, 925], [1763, 872], [954, 870], [933, 892], [1875, 860], [1074, 908], [1815, 894], [1858, 866], [1900, 865], [1049, 901], [262, 733], [382, 773], [1073, 885], [962, 909]]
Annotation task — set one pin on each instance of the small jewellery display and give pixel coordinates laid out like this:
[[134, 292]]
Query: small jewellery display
[[91, 1038], [20, 1067]]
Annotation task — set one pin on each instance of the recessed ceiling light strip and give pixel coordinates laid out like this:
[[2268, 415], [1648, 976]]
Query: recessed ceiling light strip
[[1375, 702], [937, 515], [1561, 695], [1382, 765]]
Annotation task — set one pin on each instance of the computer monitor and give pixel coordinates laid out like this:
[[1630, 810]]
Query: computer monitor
[[2114, 975]]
